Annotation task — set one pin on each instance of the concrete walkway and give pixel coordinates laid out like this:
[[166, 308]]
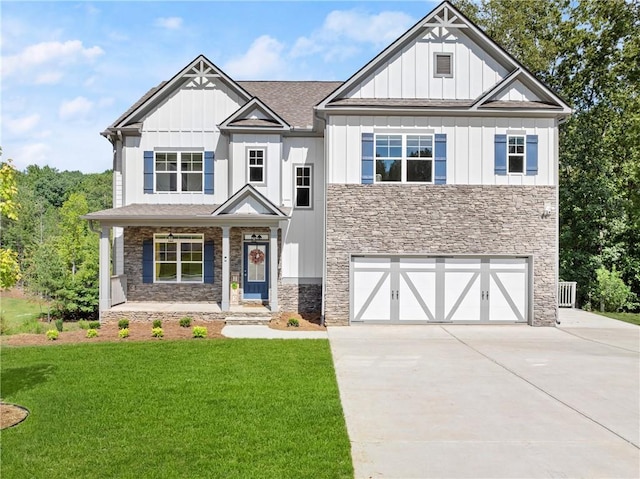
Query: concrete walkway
[[265, 332], [492, 401]]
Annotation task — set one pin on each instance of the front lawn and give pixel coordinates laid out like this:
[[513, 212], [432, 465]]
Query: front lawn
[[191, 409], [20, 315], [633, 318]]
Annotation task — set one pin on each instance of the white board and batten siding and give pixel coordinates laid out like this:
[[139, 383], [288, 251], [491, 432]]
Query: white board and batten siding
[[303, 238], [186, 120], [239, 163], [409, 73], [470, 146]]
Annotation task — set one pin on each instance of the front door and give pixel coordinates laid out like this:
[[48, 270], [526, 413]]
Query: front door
[[256, 271]]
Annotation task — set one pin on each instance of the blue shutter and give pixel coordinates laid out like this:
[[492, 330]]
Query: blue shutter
[[367, 158], [532, 154], [208, 172], [440, 159], [147, 261], [208, 262], [148, 171], [500, 154]]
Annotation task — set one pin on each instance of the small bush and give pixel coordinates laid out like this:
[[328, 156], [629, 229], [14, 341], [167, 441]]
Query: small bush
[[157, 332], [293, 322], [612, 293], [123, 324], [199, 332], [59, 324], [157, 323], [92, 333], [94, 324], [83, 324], [53, 334], [185, 322], [123, 333]]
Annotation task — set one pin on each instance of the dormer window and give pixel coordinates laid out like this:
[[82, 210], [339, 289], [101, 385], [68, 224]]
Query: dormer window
[[443, 65]]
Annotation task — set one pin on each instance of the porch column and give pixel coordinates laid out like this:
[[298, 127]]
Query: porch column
[[273, 261], [225, 268], [105, 270]]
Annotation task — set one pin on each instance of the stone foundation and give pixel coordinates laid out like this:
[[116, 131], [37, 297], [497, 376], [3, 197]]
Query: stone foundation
[[440, 219]]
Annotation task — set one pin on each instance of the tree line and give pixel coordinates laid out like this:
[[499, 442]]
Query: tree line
[[54, 248]]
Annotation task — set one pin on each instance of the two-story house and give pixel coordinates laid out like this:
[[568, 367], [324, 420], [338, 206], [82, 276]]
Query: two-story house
[[422, 189]]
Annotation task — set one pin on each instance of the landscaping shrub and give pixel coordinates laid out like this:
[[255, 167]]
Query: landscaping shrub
[[123, 324], [293, 322], [53, 334], [157, 323], [199, 332], [157, 332], [94, 324], [185, 322], [123, 333], [92, 333], [83, 324], [612, 293], [59, 324]]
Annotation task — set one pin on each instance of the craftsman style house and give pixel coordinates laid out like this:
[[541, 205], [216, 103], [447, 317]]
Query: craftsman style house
[[422, 189]]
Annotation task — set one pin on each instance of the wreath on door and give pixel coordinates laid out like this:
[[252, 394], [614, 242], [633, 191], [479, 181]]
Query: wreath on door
[[256, 256]]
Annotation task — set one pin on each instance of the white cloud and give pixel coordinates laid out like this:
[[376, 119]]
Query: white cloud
[[170, 23], [18, 126], [32, 154], [342, 27], [47, 53], [76, 108], [50, 77], [262, 60]]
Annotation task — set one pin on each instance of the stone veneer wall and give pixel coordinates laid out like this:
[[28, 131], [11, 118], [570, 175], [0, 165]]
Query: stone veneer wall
[[303, 298], [440, 219], [173, 292]]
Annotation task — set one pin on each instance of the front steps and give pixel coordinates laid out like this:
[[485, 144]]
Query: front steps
[[244, 319]]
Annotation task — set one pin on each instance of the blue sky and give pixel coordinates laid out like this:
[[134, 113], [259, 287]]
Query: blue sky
[[70, 68]]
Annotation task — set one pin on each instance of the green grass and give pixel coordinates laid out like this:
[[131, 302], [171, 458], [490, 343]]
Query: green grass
[[21, 316], [175, 409], [633, 318]]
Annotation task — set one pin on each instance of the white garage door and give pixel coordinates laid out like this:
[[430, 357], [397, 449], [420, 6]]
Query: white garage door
[[422, 290]]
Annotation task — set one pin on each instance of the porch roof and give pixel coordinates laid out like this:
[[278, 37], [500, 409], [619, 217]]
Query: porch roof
[[180, 214]]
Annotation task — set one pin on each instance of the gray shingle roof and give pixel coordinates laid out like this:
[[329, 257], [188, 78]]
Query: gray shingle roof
[[152, 211], [291, 100]]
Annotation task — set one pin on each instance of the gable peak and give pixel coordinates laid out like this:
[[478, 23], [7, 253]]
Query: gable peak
[[201, 74]]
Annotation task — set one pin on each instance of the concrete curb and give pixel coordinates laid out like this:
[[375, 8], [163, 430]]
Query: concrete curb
[[254, 331]]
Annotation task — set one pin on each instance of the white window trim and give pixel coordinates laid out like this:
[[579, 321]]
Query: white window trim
[[435, 65], [295, 185], [178, 172], [524, 154], [177, 238], [404, 158], [264, 164]]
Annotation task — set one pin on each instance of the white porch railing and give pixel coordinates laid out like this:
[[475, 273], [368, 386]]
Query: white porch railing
[[118, 289], [567, 294]]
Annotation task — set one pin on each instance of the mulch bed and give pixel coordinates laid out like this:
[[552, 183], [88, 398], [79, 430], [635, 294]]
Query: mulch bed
[[11, 415]]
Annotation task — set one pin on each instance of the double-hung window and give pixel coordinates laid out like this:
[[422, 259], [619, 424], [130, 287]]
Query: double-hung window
[[515, 153], [179, 172], [178, 258], [256, 165], [303, 187], [404, 158]]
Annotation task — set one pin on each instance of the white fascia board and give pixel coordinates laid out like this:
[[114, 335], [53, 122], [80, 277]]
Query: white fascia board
[[247, 190], [457, 112]]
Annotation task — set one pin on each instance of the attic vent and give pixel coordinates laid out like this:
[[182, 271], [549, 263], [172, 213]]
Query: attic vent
[[443, 65]]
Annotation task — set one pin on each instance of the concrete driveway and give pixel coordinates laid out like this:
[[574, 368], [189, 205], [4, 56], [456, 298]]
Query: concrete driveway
[[492, 401]]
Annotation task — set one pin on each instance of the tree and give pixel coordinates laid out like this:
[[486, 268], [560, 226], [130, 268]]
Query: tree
[[73, 229], [9, 269]]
